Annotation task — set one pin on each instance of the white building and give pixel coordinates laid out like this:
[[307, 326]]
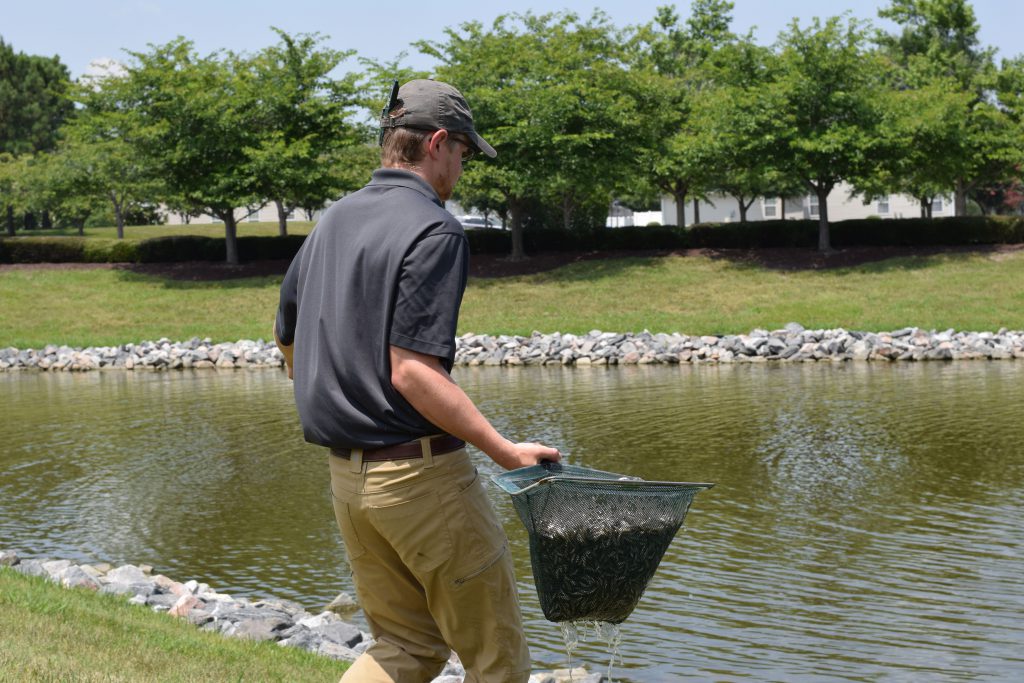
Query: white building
[[841, 206]]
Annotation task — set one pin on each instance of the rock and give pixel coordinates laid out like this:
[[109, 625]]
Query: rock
[[31, 568], [335, 651], [343, 604], [76, 577], [8, 558], [341, 633], [184, 605], [128, 573], [261, 628], [54, 568]]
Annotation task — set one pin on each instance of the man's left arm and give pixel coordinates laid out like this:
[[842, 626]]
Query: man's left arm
[[287, 315]]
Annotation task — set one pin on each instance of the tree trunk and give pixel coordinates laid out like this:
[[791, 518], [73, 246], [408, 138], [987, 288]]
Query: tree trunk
[[924, 206], [518, 252], [679, 196], [80, 224], [782, 208], [47, 221], [282, 219], [824, 239], [960, 198], [568, 208], [10, 220], [118, 215], [743, 208], [231, 237], [696, 210]]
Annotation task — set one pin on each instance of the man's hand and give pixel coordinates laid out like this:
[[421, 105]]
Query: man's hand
[[526, 454], [288, 352], [424, 383]]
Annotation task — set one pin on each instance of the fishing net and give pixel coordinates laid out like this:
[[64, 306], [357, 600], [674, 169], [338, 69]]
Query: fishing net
[[596, 538]]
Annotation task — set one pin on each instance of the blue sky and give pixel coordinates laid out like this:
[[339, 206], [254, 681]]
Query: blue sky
[[83, 30]]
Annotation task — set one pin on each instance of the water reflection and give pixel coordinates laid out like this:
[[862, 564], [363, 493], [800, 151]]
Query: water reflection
[[864, 526]]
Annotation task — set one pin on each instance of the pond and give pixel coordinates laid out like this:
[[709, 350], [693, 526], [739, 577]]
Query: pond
[[865, 524]]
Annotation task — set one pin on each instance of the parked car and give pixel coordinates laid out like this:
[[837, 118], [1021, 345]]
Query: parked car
[[477, 222]]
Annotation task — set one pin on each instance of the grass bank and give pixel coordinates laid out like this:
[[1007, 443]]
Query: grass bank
[[691, 294], [49, 633]]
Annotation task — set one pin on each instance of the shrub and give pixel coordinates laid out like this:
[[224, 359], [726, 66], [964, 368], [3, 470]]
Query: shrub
[[43, 250], [110, 251]]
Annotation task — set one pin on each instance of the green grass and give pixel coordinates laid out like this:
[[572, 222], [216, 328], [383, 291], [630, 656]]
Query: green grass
[[693, 295], [49, 633], [141, 232]]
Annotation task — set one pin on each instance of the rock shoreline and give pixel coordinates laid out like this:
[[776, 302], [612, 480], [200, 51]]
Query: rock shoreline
[[793, 343], [282, 621]]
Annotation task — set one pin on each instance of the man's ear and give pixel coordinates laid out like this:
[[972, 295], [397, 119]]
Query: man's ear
[[435, 141]]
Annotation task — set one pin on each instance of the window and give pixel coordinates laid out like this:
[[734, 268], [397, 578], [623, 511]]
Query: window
[[883, 205], [812, 205], [937, 205], [770, 207], [253, 217]]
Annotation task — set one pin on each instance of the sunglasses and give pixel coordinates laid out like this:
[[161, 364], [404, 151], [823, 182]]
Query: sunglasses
[[469, 150]]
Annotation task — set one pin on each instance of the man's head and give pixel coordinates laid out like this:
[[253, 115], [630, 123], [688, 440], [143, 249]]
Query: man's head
[[427, 127]]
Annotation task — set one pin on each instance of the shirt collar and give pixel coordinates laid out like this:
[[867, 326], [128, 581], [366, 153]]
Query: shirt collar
[[399, 177]]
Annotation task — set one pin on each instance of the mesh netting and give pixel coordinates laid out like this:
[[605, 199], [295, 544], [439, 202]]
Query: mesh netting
[[596, 538]]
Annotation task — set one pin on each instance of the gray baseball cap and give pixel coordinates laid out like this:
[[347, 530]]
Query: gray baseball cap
[[433, 105]]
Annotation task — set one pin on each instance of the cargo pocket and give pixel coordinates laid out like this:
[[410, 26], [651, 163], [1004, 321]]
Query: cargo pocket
[[480, 538], [417, 530], [353, 548]]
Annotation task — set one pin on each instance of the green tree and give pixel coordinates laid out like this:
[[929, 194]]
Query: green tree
[[98, 148], [548, 92], [303, 123], [199, 116], [938, 43], [32, 106], [828, 90], [675, 68]]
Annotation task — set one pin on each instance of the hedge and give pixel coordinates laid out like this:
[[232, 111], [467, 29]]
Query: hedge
[[752, 235]]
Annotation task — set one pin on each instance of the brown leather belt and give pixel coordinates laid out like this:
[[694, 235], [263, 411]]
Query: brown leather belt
[[439, 445]]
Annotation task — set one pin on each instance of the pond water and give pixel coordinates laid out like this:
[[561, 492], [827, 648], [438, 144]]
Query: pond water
[[865, 525]]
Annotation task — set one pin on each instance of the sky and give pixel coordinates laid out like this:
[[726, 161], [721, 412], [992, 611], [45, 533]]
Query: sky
[[83, 31]]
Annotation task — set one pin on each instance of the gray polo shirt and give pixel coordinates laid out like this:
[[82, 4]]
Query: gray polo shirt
[[386, 265]]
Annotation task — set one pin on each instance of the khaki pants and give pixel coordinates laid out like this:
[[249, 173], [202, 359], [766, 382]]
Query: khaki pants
[[432, 570]]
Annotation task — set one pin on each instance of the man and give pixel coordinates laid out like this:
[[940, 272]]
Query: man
[[368, 314]]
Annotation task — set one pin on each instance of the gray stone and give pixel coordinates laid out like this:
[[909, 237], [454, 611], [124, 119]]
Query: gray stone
[[341, 633], [265, 628], [8, 558], [31, 568], [335, 651], [54, 568], [128, 573], [76, 577]]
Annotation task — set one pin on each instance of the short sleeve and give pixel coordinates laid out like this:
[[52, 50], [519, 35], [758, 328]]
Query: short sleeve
[[288, 308], [430, 290]]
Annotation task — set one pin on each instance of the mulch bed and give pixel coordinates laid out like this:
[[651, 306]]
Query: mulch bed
[[494, 266]]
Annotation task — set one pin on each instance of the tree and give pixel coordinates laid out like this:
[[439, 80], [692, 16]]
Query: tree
[[827, 90], [674, 68], [198, 117], [32, 106], [549, 93], [939, 42], [924, 130], [303, 125], [98, 147]]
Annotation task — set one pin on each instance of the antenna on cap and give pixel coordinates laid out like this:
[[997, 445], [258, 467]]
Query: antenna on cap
[[384, 119]]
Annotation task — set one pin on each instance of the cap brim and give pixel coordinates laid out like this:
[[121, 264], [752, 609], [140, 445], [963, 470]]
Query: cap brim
[[482, 145]]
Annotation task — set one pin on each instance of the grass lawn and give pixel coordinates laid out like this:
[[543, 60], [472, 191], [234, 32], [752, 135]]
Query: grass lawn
[[692, 294], [49, 633], [141, 232]]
